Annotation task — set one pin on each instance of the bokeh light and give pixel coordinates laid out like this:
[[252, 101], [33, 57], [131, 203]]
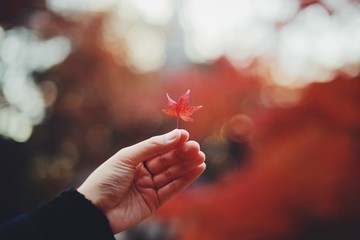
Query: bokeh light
[[146, 48], [276, 33], [22, 53], [299, 46], [67, 6]]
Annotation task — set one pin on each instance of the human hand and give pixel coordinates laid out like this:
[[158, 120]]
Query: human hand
[[137, 180]]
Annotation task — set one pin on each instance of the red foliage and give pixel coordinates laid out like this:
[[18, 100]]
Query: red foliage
[[301, 183], [225, 90], [181, 109]]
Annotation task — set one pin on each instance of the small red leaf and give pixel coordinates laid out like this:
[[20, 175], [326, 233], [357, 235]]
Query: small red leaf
[[181, 109]]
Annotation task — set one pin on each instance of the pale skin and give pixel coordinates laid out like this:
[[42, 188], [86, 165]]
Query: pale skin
[[139, 179]]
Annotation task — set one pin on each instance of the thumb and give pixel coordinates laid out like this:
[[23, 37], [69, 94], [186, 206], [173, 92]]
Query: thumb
[[152, 147]]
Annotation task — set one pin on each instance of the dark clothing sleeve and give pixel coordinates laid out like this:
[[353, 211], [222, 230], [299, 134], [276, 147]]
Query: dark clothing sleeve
[[69, 216], [20, 227]]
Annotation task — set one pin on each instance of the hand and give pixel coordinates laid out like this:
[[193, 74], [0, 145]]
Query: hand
[[137, 180]]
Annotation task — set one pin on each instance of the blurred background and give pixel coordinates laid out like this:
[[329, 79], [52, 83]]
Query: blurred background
[[280, 126]]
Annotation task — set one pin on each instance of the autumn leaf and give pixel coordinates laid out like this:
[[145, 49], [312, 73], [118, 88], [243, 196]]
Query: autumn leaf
[[181, 109]]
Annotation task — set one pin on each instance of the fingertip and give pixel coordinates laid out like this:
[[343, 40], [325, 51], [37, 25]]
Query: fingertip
[[196, 172], [188, 149], [200, 169], [202, 166], [177, 136], [202, 156], [184, 136], [194, 144]]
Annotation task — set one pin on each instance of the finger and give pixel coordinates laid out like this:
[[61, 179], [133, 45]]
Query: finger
[[179, 184], [178, 170], [152, 147], [166, 160]]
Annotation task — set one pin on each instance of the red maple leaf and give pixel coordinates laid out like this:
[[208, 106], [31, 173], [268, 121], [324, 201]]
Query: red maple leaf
[[181, 109]]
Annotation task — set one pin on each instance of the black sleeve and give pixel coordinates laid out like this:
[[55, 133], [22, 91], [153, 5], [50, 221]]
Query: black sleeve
[[71, 216], [19, 228]]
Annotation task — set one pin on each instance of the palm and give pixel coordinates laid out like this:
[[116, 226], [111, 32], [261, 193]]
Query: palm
[[138, 201]]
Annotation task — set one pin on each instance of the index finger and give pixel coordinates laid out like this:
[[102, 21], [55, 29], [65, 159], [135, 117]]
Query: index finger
[[152, 147]]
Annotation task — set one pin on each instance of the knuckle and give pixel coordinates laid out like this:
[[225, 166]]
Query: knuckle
[[173, 187], [169, 175], [163, 162]]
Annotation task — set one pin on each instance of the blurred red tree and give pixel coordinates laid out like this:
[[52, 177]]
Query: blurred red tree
[[301, 181]]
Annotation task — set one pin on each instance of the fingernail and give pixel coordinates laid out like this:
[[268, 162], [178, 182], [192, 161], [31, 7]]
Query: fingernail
[[171, 136]]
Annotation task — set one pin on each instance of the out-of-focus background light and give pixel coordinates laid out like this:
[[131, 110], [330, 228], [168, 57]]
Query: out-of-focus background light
[[146, 48], [22, 53], [298, 46], [242, 30], [67, 6]]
